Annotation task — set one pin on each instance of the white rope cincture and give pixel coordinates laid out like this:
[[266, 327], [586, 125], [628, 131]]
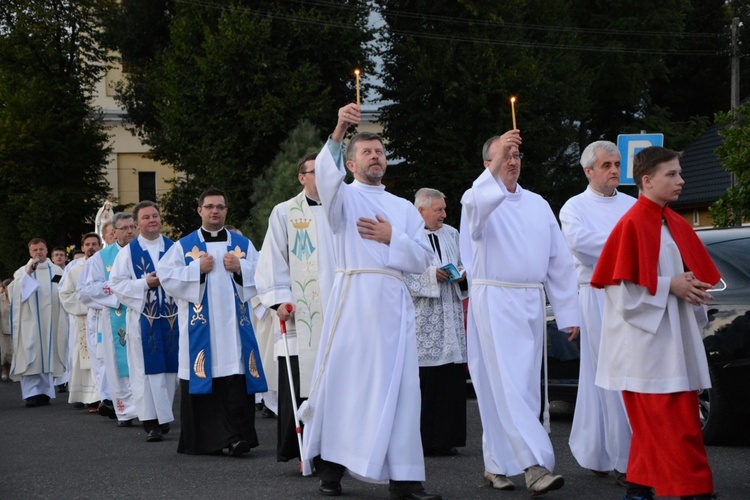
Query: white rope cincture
[[540, 287], [306, 409]]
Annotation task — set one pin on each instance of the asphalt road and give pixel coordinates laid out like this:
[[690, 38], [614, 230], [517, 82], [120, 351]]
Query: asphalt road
[[60, 452]]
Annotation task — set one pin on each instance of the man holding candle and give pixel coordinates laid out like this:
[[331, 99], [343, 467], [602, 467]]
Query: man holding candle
[[600, 437], [513, 250], [363, 410]]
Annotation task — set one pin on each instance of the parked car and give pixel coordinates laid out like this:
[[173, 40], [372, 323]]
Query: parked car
[[725, 408]]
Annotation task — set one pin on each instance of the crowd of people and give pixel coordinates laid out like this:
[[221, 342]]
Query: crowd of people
[[349, 323]]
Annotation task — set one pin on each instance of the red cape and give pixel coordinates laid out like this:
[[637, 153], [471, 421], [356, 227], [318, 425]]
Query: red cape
[[632, 250]]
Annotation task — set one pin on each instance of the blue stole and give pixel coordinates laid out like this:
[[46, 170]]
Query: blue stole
[[116, 316], [199, 330], [159, 332]]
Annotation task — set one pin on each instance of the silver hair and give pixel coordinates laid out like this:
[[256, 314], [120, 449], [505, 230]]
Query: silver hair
[[486, 147], [120, 216], [423, 198], [588, 157]]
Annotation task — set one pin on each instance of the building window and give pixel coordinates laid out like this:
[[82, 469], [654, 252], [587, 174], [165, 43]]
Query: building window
[[147, 186], [696, 217]]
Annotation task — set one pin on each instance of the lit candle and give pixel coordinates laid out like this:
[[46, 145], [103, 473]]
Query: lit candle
[[513, 111], [356, 73]]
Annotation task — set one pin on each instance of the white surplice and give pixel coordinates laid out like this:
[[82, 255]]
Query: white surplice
[[652, 344], [600, 435], [365, 397], [274, 280], [39, 329], [94, 289], [153, 395], [82, 384], [512, 238], [183, 282], [441, 338]]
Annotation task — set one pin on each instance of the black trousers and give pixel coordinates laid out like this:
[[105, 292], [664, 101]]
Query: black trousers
[[211, 422], [287, 446]]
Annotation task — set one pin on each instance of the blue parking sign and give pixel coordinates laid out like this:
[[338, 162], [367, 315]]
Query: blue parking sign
[[629, 145]]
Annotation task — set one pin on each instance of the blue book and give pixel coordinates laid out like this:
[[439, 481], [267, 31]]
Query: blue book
[[452, 272]]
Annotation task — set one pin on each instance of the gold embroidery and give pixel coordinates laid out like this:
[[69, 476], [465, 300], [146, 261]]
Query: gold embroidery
[[252, 365], [237, 252], [199, 367], [198, 316], [195, 253]]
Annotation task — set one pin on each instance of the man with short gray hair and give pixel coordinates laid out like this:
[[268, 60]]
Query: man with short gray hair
[[600, 436], [94, 290], [441, 339]]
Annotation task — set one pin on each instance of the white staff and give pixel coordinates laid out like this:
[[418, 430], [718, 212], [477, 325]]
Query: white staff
[[297, 427]]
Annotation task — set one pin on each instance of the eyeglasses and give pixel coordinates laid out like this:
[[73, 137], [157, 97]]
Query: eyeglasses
[[308, 172], [515, 156], [125, 228], [220, 208]]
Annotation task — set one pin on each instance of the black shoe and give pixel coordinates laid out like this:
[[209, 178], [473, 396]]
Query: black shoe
[[239, 448], [62, 388], [267, 413], [330, 488], [164, 428], [32, 402], [421, 495], [42, 400], [125, 423], [154, 436], [259, 406], [107, 409], [78, 405]]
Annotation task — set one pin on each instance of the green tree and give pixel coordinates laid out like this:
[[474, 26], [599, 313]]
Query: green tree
[[734, 205], [448, 78], [279, 181], [53, 143], [234, 79]]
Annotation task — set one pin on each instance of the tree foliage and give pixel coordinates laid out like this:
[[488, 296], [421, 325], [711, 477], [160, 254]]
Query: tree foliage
[[279, 181], [53, 143], [734, 206], [235, 77], [582, 70]]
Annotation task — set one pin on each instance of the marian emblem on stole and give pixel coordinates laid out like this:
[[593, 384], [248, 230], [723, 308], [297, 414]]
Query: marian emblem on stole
[[303, 246]]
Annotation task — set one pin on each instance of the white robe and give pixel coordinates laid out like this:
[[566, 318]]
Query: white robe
[[39, 329], [82, 384], [153, 395], [366, 407], [94, 289], [512, 238], [600, 436], [274, 282], [441, 338], [183, 282], [652, 343]]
